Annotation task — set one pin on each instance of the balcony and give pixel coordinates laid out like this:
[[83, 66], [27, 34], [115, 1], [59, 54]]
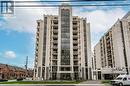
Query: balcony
[[54, 57], [75, 47], [55, 53], [38, 32], [75, 36], [75, 59], [55, 21], [37, 37], [75, 20], [75, 31], [55, 36], [55, 31], [54, 69], [75, 24], [36, 59], [55, 41], [36, 48], [75, 41], [75, 56], [55, 17], [75, 53], [109, 59], [75, 69], [55, 26], [75, 63], [75, 28], [55, 47], [54, 62]]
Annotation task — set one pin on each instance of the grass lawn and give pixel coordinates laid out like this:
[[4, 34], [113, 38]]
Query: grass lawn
[[40, 82]]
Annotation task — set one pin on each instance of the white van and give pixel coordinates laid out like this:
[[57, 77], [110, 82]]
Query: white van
[[121, 80]]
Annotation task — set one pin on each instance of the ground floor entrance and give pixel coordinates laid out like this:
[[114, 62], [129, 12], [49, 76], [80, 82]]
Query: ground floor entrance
[[110, 76], [65, 76]]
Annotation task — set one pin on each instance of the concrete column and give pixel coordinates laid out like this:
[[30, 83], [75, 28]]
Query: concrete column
[[96, 75], [58, 76], [41, 73], [45, 74], [72, 76], [102, 77], [84, 73]]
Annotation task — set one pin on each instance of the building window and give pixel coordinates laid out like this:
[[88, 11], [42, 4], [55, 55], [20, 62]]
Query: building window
[[65, 69], [65, 37]]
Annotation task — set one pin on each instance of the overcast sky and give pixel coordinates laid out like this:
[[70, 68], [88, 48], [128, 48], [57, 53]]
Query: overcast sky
[[17, 32]]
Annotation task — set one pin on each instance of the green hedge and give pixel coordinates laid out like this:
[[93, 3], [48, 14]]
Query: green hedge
[[106, 81]]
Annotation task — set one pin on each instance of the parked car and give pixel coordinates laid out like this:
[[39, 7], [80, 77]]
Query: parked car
[[121, 80], [19, 79], [3, 80]]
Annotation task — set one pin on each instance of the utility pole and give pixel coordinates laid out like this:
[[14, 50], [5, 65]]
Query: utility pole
[[26, 66]]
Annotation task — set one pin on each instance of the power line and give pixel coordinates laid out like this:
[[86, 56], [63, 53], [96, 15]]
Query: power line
[[76, 5], [70, 4], [71, 1]]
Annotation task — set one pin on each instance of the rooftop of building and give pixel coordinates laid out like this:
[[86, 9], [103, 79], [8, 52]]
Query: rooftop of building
[[11, 67]]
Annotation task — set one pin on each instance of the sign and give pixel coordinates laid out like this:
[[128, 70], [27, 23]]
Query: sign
[[7, 7]]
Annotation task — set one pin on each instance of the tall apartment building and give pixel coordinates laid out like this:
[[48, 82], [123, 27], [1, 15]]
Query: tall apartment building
[[63, 47], [113, 50]]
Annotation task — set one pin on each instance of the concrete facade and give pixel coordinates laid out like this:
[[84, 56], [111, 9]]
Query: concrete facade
[[113, 50], [63, 47]]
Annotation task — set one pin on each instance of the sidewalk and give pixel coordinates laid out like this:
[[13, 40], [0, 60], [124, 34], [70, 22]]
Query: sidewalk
[[93, 83]]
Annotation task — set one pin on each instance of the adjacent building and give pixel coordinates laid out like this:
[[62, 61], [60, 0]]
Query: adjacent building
[[96, 62], [63, 47], [8, 72], [112, 52]]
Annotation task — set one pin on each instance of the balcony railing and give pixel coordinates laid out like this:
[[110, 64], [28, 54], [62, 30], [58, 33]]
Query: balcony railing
[[54, 57], [75, 31], [55, 41], [75, 41], [55, 47], [55, 31], [75, 25], [54, 63], [55, 36], [75, 36], [75, 47], [75, 53], [55, 53], [55, 25]]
